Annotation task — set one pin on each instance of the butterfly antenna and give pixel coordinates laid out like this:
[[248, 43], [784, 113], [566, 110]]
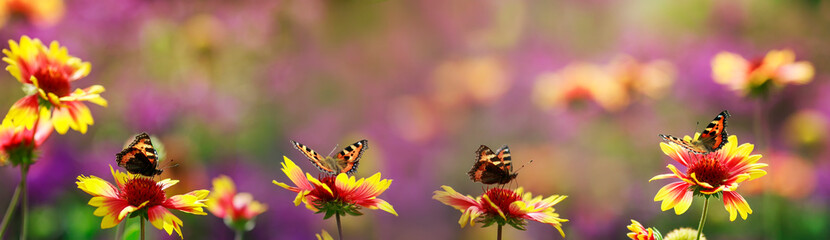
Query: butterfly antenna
[[523, 166], [169, 164], [332, 151]]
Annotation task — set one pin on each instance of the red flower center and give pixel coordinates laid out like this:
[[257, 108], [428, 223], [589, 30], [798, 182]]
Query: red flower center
[[502, 198], [755, 64], [324, 195], [140, 189], [709, 170], [52, 80]]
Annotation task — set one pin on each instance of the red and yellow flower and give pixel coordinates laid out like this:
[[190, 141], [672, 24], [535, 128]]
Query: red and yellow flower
[[638, 232], [38, 12], [716, 173], [237, 209], [46, 73], [777, 68], [503, 206], [339, 194], [18, 144], [136, 195]]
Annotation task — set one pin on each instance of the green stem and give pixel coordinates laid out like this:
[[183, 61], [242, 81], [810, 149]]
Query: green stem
[[24, 170], [498, 236], [141, 219], [10, 211], [339, 229], [703, 217], [239, 234]]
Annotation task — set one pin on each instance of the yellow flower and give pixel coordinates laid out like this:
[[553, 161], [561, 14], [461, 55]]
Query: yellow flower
[[237, 209], [46, 73], [503, 206], [712, 173], [339, 194], [136, 195], [777, 68], [38, 12]]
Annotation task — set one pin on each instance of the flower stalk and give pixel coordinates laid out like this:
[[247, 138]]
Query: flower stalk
[[339, 228], [24, 170], [10, 210], [703, 217], [498, 232], [142, 227]]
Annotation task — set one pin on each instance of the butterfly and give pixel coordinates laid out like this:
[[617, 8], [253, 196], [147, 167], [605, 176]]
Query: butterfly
[[139, 157], [712, 139], [345, 161], [491, 168]]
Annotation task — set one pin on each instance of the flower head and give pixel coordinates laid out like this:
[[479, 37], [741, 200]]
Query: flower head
[[38, 12], [136, 195], [237, 209], [777, 68], [638, 232], [503, 206], [18, 144], [716, 173], [339, 194], [46, 73]]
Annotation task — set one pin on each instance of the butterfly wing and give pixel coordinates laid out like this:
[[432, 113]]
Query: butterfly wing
[[318, 160], [139, 157], [490, 167], [683, 143], [349, 157], [505, 161], [714, 136]]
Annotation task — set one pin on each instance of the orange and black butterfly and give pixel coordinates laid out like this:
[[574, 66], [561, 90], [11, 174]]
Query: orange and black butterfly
[[492, 168], [345, 161], [139, 157], [712, 139]]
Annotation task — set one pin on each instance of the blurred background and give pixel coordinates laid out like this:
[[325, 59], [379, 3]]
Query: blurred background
[[582, 88]]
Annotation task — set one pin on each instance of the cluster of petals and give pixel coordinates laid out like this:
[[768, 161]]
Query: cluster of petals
[[638, 232], [611, 86], [711, 173], [504, 204], [142, 195], [16, 141], [38, 12], [335, 189], [224, 202], [46, 73], [778, 67]]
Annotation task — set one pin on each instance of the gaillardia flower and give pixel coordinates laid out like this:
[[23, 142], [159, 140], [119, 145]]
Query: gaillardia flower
[[777, 68], [141, 196], [503, 206], [638, 232], [339, 194], [715, 173], [18, 144], [46, 74], [237, 209]]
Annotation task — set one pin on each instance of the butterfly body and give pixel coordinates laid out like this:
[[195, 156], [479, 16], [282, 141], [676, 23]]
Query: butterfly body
[[492, 167], [346, 161], [713, 138], [140, 157]]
